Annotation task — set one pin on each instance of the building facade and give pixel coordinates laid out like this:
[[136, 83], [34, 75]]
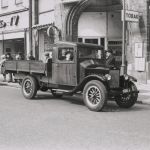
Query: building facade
[[14, 23], [89, 21]]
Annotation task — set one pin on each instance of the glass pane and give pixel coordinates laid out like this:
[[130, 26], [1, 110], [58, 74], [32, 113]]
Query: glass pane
[[65, 54], [93, 41]]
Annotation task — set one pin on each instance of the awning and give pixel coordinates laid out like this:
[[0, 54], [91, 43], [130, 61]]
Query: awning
[[14, 35], [41, 26]]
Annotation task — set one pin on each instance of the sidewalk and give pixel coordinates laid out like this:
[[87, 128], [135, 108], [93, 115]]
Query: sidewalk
[[144, 95], [16, 85]]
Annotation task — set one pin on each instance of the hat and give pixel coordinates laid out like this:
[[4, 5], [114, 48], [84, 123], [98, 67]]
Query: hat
[[109, 51]]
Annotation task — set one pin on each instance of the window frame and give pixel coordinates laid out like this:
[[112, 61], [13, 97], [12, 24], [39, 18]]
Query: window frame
[[4, 3], [65, 61]]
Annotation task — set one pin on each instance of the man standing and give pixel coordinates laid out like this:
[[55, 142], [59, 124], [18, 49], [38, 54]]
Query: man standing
[[110, 59]]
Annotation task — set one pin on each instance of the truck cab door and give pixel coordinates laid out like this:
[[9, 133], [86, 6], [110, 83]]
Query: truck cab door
[[64, 68]]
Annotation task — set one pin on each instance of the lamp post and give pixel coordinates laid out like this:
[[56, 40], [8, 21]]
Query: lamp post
[[30, 27], [123, 65]]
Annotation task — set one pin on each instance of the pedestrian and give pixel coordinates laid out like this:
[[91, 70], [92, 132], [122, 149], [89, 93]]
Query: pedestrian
[[3, 59], [10, 75], [46, 57], [18, 56], [30, 57]]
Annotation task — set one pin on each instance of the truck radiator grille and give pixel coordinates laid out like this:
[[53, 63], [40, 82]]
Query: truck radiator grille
[[115, 75]]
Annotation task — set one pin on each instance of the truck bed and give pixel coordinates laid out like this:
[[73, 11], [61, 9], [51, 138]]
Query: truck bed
[[25, 66]]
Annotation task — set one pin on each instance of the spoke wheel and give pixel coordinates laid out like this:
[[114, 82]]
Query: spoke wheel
[[95, 95], [127, 100], [29, 87]]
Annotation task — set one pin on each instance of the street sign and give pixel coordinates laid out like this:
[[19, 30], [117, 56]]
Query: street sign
[[131, 16]]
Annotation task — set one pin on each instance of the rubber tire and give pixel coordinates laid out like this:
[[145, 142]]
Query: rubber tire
[[34, 86], [131, 101], [55, 94], [103, 92]]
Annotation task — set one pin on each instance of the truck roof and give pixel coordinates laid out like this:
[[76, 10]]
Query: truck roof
[[66, 43]]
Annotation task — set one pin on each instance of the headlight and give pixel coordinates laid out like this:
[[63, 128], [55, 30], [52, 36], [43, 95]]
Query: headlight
[[108, 77], [126, 77]]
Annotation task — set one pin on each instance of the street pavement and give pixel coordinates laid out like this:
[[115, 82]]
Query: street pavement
[[48, 123], [144, 90]]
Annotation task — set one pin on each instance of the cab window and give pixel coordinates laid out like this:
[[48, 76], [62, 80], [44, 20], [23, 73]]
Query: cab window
[[65, 54], [90, 53]]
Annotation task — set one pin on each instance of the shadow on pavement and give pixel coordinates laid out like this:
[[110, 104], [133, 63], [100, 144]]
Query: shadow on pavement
[[77, 100]]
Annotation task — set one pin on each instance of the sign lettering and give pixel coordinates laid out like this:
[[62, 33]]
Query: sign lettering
[[2, 24], [131, 16]]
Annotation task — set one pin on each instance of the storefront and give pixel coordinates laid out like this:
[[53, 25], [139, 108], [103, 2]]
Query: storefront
[[13, 33]]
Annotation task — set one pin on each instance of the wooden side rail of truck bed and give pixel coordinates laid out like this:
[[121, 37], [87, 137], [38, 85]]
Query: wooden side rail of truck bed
[[26, 66]]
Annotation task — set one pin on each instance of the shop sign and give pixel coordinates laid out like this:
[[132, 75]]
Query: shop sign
[[131, 16], [14, 20], [2, 24]]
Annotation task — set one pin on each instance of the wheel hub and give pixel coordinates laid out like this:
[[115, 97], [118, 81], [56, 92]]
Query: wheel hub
[[94, 95]]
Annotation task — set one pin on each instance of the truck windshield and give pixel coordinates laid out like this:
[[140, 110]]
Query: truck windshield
[[90, 53]]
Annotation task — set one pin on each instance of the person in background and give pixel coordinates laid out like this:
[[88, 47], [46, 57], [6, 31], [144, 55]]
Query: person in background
[[110, 59], [30, 57], [10, 75], [3, 59], [47, 57], [18, 56]]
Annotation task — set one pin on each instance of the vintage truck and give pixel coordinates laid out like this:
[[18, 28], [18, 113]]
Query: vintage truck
[[85, 73]]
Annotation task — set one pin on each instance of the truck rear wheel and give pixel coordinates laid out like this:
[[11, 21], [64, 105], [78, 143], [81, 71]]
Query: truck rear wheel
[[128, 99], [29, 87], [95, 95]]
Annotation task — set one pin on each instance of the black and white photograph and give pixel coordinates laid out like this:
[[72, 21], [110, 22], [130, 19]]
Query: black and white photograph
[[74, 74]]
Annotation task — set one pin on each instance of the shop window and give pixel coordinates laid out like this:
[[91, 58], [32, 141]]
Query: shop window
[[80, 40], [18, 1], [48, 40], [4, 3], [102, 42], [93, 41]]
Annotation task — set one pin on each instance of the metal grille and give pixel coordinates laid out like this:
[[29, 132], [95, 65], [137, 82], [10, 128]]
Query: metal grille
[[115, 75]]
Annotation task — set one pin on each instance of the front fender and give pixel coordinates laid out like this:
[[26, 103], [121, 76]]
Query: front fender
[[129, 78], [81, 85]]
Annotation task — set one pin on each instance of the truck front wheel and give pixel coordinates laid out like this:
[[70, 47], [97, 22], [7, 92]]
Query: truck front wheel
[[129, 97], [29, 87], [95, 95]]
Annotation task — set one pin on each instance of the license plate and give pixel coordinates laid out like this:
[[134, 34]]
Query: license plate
[[125, 90]]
